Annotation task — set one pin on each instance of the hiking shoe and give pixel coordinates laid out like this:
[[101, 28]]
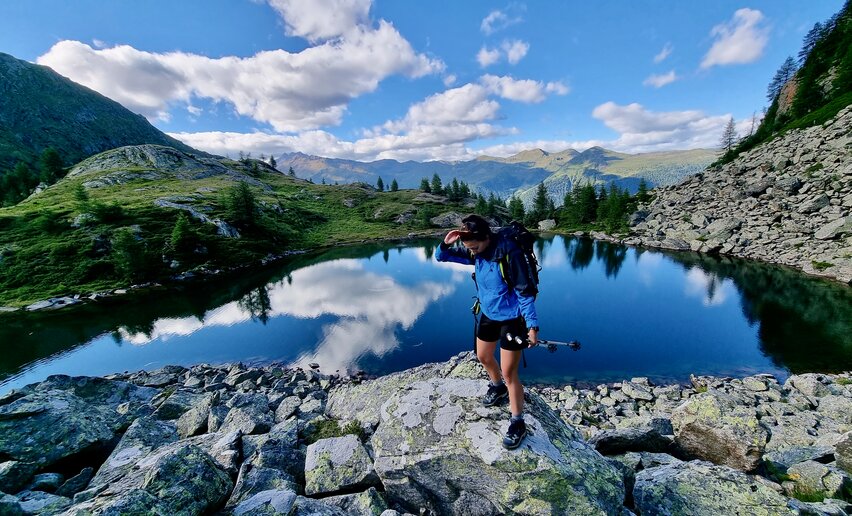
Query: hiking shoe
[[516, 433], [495, 395]]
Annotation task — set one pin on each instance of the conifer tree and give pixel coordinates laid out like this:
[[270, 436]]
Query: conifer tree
[[784, 74], [481, 207], [810, 41], [394, 185], [424, 186], [272, 162], [380, 185], [437, 187], [516, 209], [291, 172], [642, 196], [50, 165], [729, 136]]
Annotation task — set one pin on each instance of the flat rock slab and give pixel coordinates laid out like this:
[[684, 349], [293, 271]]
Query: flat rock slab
[[338, 464], [701, 488]]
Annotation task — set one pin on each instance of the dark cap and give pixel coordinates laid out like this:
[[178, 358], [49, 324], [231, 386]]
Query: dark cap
[[474, 227]]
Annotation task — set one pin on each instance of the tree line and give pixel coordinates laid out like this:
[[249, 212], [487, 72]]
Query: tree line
[[19, 182], [822, 76]]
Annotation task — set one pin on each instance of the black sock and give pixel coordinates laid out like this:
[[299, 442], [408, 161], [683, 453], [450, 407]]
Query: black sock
[[519, 417]]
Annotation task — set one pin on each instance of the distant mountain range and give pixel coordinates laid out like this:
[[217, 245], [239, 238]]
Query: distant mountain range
[[519, 174], [40, 108]]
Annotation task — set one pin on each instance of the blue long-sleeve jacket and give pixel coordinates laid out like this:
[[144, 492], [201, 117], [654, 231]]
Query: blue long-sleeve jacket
[[498, 301]]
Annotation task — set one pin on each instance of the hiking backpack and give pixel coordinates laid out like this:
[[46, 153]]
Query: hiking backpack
[[521, 236]]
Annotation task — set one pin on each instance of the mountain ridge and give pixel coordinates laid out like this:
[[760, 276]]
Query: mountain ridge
[[41, 109]]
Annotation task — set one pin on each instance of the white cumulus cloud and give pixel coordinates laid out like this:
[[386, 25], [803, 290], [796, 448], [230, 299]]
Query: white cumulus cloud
[[642, 130], [737, 41], [497, 20], [290, 91], [521, 90], [515, 50], [487, 56], [664, 53], [658, 81], [321, 19]]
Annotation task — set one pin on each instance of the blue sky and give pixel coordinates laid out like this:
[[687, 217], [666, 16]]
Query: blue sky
[[421, 80]]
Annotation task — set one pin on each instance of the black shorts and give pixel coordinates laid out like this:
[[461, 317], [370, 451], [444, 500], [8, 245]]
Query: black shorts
[[493, 331]]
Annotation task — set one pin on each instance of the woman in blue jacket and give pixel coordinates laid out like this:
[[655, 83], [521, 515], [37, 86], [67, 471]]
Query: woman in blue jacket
[[507, 305]]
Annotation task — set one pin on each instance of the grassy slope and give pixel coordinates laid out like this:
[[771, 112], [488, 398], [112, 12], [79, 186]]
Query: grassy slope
[[41, 255]]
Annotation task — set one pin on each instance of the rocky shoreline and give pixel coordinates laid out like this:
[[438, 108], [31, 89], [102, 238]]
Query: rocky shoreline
[[788, 202], [269, 440]]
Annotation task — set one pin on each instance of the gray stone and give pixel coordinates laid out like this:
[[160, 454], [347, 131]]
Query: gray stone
[[824, 508], [369, 502], [187, 480], [47, 482], [813, 477], [436, 441], [194, 421], [714, 426], [64, 416], [14, 475], [287, 408], [254, 480], [843, 452], [809, 384], [39, 502], [777, 462], [637, 391], [338, 464], [701, 488], [249, 414], [10, 506], [813, 204], [837, 408], [76, 483], [272, 502], [143, 436], [834, 229]]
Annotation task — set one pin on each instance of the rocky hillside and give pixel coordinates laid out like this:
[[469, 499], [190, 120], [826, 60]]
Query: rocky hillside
[[243, 440], [40, 108], [788, 201]]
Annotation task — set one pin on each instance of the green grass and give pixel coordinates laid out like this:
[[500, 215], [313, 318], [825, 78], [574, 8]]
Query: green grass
[[328, 428], [843, 381], [821, 266], [42, 255]]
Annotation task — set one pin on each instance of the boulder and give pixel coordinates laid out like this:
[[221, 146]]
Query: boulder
[[194, 421], [143, 436], [843, 452], [76, 483], [809, 384], [702, 488], [252, 481], [64, 417], [14, 475], [777, 462], [10, 506], [249, 414], [38, 502], [270, 502], [811, 477], [837, 408], [365, 502], [714, 426], [546, 225], [436, 444], [338, 464], [47, 482], [834, 229]]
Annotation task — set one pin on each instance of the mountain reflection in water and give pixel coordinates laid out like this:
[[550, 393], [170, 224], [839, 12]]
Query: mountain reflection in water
[[384, 308]]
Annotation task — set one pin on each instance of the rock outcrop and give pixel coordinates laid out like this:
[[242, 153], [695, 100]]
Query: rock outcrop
[[788, 201], [239, 440]]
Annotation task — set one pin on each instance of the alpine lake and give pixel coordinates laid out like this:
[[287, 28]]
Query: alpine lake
[[386, 307]]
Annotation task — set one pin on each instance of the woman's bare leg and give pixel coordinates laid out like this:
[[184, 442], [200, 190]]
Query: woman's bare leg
[[509, 362], [485, 354]]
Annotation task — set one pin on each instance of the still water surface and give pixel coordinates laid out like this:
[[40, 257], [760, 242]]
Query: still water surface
[[384, 308]]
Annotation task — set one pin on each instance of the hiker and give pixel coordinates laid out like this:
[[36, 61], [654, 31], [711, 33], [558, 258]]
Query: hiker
[[498, 263]]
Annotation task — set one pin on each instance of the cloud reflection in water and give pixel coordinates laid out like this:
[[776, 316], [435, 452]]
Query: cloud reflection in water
[[369, 307]]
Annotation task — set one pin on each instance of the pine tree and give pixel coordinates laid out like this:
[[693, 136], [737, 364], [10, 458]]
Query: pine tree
[[272, 162], [810, 41], [642, 196], [729, 136], [50, 165], [424, 186], [516, 209], [540, 202], [481, 207], [240, 205], [291, 172], [437, 187], [380, 185], [464, 190], [785, 73], [394, 185], [81, 198]]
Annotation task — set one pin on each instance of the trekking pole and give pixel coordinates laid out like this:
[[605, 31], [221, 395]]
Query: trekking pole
[[551, 344]]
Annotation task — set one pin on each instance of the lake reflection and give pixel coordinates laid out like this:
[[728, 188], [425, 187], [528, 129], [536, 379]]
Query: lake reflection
[[387, 308]]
